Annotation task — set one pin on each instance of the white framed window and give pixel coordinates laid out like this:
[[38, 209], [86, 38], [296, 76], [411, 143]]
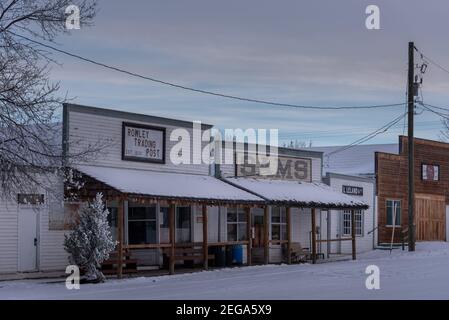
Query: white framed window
[[393, 206], [278, 223], [358, 220], [236, 224]]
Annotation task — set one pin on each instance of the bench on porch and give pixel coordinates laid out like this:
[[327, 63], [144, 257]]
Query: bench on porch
[[187, 254], [110, 266], [298, 253]]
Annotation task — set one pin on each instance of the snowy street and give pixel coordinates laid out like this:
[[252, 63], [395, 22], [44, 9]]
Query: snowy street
[[419, 275]]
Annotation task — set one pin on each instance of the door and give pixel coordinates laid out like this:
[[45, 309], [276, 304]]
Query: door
[[257, 252], [258, 241], [28, 238], [430, 217]]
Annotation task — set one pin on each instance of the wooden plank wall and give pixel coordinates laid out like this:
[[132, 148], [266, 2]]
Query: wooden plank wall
[[392, 180]]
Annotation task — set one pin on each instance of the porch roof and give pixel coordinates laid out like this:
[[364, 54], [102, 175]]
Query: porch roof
[[169, 186], [300, 194]]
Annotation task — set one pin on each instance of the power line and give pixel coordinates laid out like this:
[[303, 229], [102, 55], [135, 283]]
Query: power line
[[222, 95], [425, 125], [434, 107], [370, 136], [429, 108], [432, 61]]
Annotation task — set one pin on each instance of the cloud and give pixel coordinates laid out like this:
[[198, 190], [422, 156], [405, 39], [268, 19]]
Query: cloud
[[302, 52]]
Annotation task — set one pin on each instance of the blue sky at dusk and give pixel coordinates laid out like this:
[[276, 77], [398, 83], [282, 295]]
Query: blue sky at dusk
[[300, 52]]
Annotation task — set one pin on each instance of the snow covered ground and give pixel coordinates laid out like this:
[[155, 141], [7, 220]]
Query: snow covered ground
[[423, 274]]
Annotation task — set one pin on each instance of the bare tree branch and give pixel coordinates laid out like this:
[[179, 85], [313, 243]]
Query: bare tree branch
[[30, 126]]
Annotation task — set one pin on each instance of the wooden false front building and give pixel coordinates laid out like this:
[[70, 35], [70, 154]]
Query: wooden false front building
[[431, 186], [165, 214]]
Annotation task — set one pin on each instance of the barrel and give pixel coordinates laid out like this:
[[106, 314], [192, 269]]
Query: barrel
[[237, 254]]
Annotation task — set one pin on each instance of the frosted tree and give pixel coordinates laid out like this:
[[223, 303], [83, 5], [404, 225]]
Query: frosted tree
[[90, 243]]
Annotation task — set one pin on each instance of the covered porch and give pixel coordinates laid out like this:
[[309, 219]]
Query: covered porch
[[172, 219], [165, 219], [295, 213]]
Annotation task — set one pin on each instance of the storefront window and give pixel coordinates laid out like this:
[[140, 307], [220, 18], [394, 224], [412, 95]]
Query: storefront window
[[183, 224], [358, 218], [278, 223], [113, 221], [164, 224], [141, 224], [236, 224]]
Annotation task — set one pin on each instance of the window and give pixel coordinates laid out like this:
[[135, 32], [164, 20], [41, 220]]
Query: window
[[358, 219], [236, 224], [278, 223], [391, 206], [183, 224], [30, 199], [113, 221], [164, 231], [347, 222], [430, 172], [141, 224]]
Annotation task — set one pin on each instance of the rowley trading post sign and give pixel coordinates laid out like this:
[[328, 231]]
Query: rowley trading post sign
[[288, 168], [143, 143]]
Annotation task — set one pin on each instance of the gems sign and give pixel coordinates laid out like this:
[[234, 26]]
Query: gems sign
[[288, 168], [143, 143]]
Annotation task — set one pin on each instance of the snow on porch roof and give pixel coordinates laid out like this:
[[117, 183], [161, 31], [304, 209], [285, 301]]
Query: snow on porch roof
[[301, 194], [169, 185]]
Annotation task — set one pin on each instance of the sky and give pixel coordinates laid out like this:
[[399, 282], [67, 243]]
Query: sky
[[312, 52]]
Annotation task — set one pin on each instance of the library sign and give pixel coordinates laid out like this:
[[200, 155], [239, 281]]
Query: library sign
[[355, 191], [143, 143]]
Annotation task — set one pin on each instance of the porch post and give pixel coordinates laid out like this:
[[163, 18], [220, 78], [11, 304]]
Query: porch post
[[171, 222], [120, 216], [313, 236], [353, 234], [289, 235], [205, 247], [328, 232], [266, 235], [249, 235]]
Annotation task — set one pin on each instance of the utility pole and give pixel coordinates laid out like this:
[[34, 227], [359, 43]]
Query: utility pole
[[411, 112]]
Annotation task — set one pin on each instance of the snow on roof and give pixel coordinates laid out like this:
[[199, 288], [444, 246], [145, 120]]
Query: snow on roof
[[298, 193], [357, 160], [168, 185]]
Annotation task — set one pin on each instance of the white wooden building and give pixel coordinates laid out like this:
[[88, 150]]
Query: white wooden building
[[339, 221], [165, 213]]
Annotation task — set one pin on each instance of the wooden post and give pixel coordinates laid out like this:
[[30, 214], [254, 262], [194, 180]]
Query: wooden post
[[266, 234], [313, 236], [289, 235], [328, 232], [120, 217], [205, 247], [354, 254], [171, 222], [249, 235]]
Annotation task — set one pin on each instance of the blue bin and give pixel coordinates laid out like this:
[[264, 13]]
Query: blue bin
[[237, 254]]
